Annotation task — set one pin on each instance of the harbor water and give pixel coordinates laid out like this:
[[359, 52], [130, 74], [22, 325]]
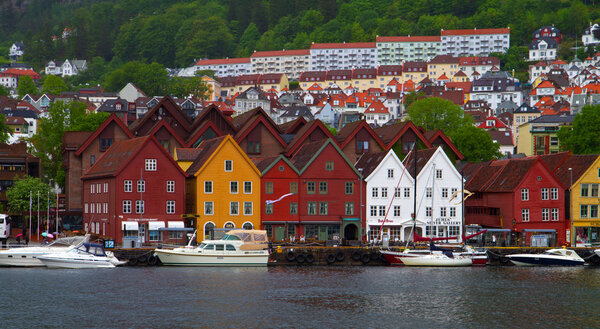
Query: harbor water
[[300, 297]]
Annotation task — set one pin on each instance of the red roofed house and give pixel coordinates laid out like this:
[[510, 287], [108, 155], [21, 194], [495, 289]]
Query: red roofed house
[[377, 113], [9, 78], [134, 188]]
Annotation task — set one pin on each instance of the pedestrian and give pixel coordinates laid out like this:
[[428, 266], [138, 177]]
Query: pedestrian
[[25, 236]]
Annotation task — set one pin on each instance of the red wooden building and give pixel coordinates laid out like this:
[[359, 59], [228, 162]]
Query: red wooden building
[[522, 195], [135, 187]]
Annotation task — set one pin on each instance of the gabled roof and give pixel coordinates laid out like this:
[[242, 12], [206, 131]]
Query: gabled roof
[[72, 140], [163, 124], [391, 133], [200, 130], [240, 120], [432, 135], [209, 148], [111, 119], [303, 134], [310, 151], [170, 106], [204, 115], [266, 164], [254, 122], [368, 162], [291, 126], [423, 157], [186, 154], [377, 107], [346, 134]]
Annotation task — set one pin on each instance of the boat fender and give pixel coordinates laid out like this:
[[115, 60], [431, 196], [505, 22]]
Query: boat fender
[[132, 261], [142, 259], [330, 259], [300, 258], [374, 255], [310, 258], [152, 260], [290, 256], [365, 258], [504, 259], [340, 256], [355, 255]]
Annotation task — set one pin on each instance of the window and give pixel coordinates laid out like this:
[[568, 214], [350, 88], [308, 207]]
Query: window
[[438, 173], [442, 211], [525, 215], [141, 185], [293, 208], [349, 188], [396, 211], [444, 192], [375, 192], [323, 208], [407, 192], [150, 165], [373, 211], [92, 188], [554, 193], [248, 208], [594, 211], [139, 206], [269, 209], [208, 186], [322, 187], [583, 211], [126, 207], [268, 188], [525, 194], [384, 192], [234, 208], [105, 208], [310, 187], [329, 165], [428, 192], [585, 189], [427, 211], [127, 185], [253, 147], [554, 214], [248, 187], [228, 165], [170, 207], [397, 192], [105, 143], [362, 146], [382, 211], [105, 189], [294, 188], [594, 190], [349, 208], [312, 208], [545, 214], [545, 193], [452, 211], [390, 173]]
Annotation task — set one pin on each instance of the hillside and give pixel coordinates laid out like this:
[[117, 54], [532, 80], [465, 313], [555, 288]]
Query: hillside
[[177, 32]]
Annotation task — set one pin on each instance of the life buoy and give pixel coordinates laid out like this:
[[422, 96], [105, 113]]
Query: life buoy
[[365, 258], [340, 256], [355, 255], [290, 256], [310, 258], [330, 259], [300, 258], [152, 260], [132, 261]]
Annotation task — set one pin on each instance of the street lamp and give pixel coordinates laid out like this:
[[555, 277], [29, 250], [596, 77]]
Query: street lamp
[[572, 235]]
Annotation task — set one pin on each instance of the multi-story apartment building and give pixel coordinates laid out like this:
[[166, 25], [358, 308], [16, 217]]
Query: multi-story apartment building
[[290, 62], [342, 56], [395, 50], [442, 65], [226, 67], [476, 42]]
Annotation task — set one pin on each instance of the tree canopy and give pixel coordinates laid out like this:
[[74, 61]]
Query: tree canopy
[[18, 194], [53, 85], [582, 137], [26, 86], [475, 144], [437, 113]]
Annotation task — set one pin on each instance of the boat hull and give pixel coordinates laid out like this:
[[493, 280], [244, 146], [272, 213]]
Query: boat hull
[[188, 258], [537, 260], [27, 256], [78, 262], [395, 258], [436, 261]]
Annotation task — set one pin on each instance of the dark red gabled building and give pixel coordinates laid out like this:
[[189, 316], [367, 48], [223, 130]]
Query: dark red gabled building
[[358, 138], [258, 135], [329, 193], [522, 195], [135, 187]]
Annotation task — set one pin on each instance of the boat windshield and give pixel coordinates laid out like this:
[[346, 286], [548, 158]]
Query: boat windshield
[[202, 245], [231, 237], [554, 252], [209, 247]]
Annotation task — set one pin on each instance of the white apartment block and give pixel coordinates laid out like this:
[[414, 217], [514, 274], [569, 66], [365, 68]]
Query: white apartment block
[[342, 56], [476, 42], [395, 50], [227, 67], [290, 62]]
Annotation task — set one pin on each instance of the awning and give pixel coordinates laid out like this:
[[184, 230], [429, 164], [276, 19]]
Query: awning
[[176, 229], [321, 222], [154, 226], [173, 224], [280, 222], [541, 230], [351, 219], [129, 226]]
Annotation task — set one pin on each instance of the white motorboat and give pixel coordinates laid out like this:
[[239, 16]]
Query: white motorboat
[[436, 258], [28, 256], [477, 258], [236, 248], [552, 257], [86, 255]]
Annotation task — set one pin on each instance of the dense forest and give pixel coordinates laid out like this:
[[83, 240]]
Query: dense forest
[[174, 33]]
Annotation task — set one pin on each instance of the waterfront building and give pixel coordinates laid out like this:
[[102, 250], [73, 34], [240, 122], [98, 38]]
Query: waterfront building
[[15, 163], [358, 138], [257, 134], [225, 67], [223, 187], [401, 136], [134, 190], [475, 42], [395, 50], [342, 56]]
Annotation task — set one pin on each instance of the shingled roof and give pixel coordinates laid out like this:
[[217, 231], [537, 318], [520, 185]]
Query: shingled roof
[[116, 157], [423, 157], [206, 149], [368, 162]]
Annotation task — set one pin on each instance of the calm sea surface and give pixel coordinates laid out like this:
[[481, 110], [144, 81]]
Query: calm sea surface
[[300, 297]]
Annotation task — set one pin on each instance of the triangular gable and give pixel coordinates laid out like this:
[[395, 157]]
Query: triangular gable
[[111, 119], [201, 130], [304, 133], [163, 124], [390, 154], [276, 160], [293, 126], [316, 154], [251, 125], [213, 114], [439, 134], [167, 103], [406, 126], [242, 120], [362, 125], [226, 139]]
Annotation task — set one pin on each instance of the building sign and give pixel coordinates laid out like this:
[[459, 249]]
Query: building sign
[[386, 220], [445, 221]]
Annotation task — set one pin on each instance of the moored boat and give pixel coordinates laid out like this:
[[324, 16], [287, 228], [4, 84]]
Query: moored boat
[[236, 248], [86, 255], [28, 256], [552, 257], [437, 259]]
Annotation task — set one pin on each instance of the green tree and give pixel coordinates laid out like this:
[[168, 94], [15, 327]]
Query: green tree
[[475, 144], [412, 97], [53, 85], [437, 113], [4, 130], [3, 91], [18, 194], [583, 137], [151, 78], [26, 86], [184, 87]]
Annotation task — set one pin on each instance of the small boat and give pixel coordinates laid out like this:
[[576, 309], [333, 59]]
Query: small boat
[[478, 258], [86, 255], [552, 257], [28, 256], [437, 259], [236, 248]]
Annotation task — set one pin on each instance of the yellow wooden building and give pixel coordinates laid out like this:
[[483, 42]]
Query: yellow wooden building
[[585, 198], [222, 188]]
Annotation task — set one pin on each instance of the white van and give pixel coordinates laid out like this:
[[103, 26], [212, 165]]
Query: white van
[[4, 227]]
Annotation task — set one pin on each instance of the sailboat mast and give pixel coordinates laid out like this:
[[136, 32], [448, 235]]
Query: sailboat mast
[[415, 191]]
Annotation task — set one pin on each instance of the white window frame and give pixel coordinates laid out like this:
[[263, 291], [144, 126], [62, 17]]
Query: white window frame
[[230, 162], [212, 208], [170, 207], [127, 206], [170, 186], [150, 165], [127, 185]]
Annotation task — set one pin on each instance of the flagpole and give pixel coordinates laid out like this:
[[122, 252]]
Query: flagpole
[[38, 217], [57, 215], [30, 205], [48, 214]]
